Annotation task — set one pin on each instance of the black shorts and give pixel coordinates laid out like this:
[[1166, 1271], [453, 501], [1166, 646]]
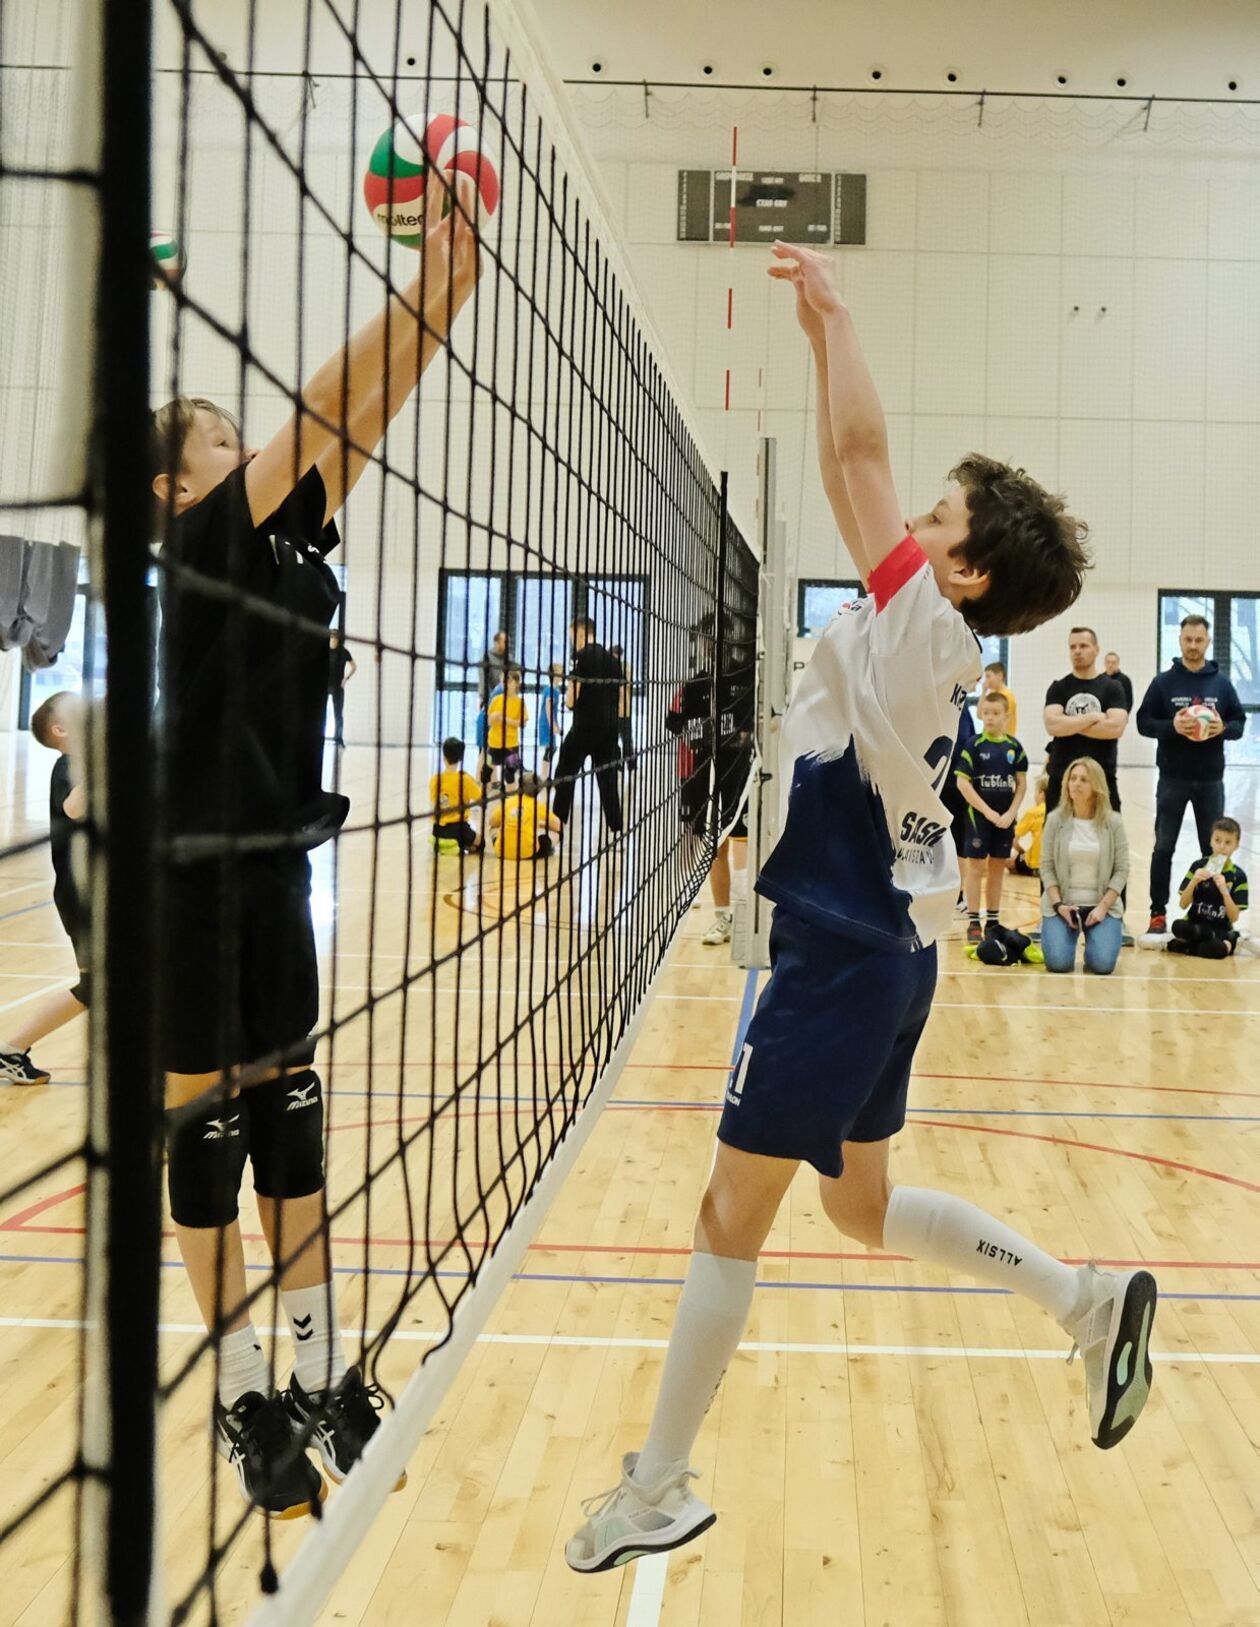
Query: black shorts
[[548, 752], [985, 840], [232, 991], [74, 920], [829, 1048], [459, 831], [508, 758]]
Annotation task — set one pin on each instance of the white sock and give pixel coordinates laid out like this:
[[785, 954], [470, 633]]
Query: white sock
[[949, 1231], [712, 1314], [318, 1359], [242, 1366]]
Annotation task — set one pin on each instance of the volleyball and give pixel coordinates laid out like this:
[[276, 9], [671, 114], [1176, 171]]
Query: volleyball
[[167, 253], [394, 183], [1201, 715]]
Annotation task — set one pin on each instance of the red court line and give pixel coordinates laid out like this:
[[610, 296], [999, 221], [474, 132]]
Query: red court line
[[17, 1222], [1092, 1146]]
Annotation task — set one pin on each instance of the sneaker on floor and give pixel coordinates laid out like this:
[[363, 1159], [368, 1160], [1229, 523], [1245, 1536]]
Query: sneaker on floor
[[975, 932], [16, 1068], [1113, 1332], [255, 1436], [1156, 934], [341, 1423], [960, 906], [719, 932], [632, 1520]]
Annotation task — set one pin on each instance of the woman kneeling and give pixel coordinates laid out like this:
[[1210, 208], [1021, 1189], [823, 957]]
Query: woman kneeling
[[1084, 869]]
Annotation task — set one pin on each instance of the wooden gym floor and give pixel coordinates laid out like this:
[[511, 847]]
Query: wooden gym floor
[[892, 1447]]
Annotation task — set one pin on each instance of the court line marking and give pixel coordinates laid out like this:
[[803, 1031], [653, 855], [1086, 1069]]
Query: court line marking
[[26, 910], [49, 988], [648, 1593], [771, 1347]]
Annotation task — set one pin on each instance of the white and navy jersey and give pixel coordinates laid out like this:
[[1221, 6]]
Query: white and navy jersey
[[865, 751]]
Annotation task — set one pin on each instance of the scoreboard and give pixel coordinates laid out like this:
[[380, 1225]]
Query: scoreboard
[[805, 206]]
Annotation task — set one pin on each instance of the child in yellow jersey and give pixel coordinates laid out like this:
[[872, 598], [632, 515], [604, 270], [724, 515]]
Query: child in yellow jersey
[[506, 716], [523, 823], [1026, 859], [452, 794]]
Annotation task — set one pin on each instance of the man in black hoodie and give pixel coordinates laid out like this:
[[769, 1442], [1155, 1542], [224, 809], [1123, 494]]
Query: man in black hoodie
[[1191, 770]]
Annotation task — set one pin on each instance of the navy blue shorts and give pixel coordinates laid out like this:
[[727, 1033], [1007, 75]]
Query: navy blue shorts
[[828, 1052], [984, 840]]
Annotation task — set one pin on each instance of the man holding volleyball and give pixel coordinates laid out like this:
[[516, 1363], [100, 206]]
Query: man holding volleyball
[[247, 604], [1190, 755]]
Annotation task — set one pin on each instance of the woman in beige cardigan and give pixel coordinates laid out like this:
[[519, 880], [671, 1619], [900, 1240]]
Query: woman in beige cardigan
[[1084, 868]]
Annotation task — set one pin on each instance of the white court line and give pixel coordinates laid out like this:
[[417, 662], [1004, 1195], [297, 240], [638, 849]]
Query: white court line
[[648, 1593], [49, 988], [24, 887], [563, 1341]]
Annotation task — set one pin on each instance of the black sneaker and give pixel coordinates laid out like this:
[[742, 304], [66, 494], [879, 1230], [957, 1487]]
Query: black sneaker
[[255, 1436], [340, 1421], [16, 1068]]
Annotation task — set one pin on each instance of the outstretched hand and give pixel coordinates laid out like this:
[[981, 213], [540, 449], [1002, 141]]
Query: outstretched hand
[[813, 277], [452, 256]]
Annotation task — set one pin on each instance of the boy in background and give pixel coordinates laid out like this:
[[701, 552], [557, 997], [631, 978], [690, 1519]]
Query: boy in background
[[452, 795], [993, 682], [549, 715], [522, 823], [1025, 860], [506, 716], [991, 775], [1213, 895], [57, 724]]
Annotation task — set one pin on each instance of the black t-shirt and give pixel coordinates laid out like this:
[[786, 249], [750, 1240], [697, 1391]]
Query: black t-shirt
[[1126, 683], [1206, 905], [243, 693], [339, 659], [600, 676], [1077, 696], [66, 899]]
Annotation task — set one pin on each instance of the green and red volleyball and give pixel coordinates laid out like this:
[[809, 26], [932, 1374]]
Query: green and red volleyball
[[394, 182]]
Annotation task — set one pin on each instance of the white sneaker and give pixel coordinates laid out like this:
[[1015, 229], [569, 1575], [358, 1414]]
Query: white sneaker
[[1247, 945], [1113, 1334], [633, 1520], [1155, 940], [719, 932]]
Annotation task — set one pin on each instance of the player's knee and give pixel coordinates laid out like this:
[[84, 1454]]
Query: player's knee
[[286, 1135], [206, 1146], [857, 1212]]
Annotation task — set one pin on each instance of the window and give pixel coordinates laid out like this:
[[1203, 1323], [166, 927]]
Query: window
[[818, 601], [1234, 619]]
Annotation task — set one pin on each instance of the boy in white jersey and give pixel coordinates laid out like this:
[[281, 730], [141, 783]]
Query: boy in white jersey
[[865, 883]]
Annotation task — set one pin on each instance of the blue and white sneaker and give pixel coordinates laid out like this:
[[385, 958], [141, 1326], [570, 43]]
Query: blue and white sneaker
[[632, 1520], [16, 1068], [1113, 1334]]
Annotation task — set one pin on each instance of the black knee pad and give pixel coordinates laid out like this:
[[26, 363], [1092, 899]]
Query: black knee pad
[[286, 1135], [206, 1147]]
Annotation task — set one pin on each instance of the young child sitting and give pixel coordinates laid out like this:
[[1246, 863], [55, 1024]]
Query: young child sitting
[[1213, 895], [506, 716], [991, 774], [452, 794], [58, 723], [523, 823], [1025, 860]]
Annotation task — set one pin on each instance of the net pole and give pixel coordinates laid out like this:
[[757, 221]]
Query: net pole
[[720, 662], [122, 1050], [775, 643]]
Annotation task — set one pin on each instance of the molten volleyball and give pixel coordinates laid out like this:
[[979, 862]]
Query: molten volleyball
[[397, 172]]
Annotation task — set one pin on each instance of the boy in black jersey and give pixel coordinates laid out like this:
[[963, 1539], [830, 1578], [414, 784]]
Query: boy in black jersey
[[990, 775], [1213, 895], [241, 723], [58, 724]]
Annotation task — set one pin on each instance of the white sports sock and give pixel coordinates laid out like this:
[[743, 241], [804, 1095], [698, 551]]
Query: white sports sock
[[242, 1366], [949, 1231], [318, 1359], [712, 1314]]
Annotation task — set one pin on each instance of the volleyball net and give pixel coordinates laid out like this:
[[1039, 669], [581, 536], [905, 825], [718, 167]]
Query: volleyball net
[[536, 550]]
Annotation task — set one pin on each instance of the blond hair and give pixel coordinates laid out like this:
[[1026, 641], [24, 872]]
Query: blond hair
[[1097, 780]]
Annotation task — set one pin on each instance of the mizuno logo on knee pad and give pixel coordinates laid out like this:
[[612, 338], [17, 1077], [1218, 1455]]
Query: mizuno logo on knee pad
[[303, 1096], [995, 1253], [222, 1129]]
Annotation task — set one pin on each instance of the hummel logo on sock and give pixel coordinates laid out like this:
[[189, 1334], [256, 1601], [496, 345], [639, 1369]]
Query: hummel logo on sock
[[299, 1323], [995, 1253]]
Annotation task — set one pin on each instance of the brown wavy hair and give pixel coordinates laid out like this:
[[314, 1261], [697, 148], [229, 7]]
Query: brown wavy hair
[[1033, 550]]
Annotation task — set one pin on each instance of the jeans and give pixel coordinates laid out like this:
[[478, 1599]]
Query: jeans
[[1102, 944], [1207, 798]]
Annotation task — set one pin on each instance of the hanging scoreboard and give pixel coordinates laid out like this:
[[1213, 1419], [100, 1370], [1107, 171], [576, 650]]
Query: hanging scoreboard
[[799, 206]]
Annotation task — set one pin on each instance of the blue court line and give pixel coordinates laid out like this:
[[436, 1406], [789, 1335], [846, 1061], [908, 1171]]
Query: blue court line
[[638, 1282], [745, 1013], [472, 1096], [26, 910]]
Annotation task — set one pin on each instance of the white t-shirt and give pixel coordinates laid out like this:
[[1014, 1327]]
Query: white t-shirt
[[865, 748], [1084, 852]]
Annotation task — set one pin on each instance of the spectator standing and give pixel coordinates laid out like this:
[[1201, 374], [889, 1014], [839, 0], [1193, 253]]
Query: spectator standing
[[342, 666], [1085, 716], [993, 682], [625, 727], [1191, 770], [549, 716], [1084, 869], [595, 680], [492, 669], [1111, 666], [991, 774]]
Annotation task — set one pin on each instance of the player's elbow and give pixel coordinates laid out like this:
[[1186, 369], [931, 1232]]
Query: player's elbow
[[861, 445]]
